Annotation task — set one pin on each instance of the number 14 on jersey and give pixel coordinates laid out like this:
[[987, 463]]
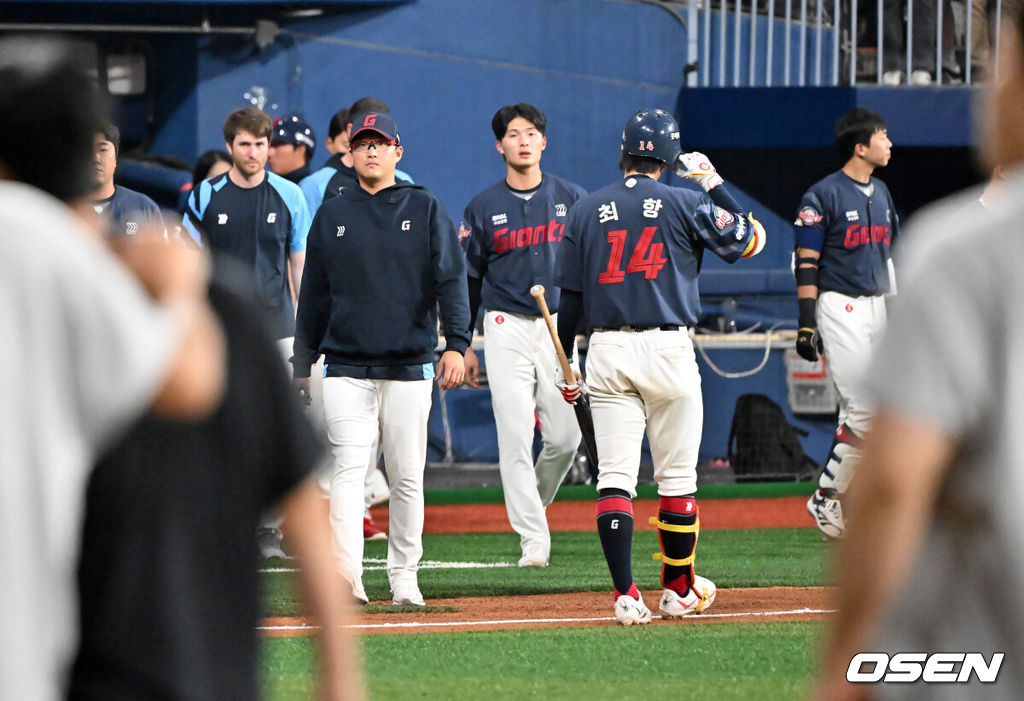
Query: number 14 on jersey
[[647, 258]]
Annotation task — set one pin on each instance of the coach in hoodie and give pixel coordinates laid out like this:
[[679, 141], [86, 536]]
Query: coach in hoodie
[[380, 258]]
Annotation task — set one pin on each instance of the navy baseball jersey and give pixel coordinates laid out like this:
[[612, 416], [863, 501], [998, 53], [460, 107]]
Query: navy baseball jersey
[[377, 268], [128, 212], [513, 241], [260, 226], [633, 249], [852, 225]]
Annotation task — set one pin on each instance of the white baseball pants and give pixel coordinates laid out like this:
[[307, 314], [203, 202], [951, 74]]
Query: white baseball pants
[[851, 328], [355, 411], [521, 365], [645, 381]]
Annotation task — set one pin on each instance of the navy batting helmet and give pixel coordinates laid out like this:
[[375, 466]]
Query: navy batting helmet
[[293, 129], [652, 134]]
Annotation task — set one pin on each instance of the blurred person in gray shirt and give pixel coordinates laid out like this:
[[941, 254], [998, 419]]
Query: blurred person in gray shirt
[[933, 561], [89, 343]]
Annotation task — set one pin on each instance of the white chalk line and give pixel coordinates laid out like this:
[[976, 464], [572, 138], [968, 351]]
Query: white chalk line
[[529, 621], [377, 564]]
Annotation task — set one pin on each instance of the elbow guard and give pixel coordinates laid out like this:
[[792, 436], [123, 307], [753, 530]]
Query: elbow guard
[[758, 237]]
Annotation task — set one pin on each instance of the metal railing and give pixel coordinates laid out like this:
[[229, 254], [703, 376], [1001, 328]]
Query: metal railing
[[747, 43]]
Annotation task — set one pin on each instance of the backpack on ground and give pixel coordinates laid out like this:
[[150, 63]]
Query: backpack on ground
[[763, 445]]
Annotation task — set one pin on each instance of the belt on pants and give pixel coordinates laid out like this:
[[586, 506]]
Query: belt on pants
[[641, 329]]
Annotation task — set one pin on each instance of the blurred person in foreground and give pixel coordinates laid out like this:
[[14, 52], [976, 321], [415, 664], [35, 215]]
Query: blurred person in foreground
[[933, 560], [169, 571], [89, 344]]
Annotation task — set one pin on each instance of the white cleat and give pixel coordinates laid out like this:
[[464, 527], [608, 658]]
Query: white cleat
[[407, 594], [535, 556], [827, 512], [630, 611], [699, 598]]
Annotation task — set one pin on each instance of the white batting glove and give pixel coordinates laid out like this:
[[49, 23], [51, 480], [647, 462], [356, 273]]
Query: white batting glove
[[570, 392], [697, 168]]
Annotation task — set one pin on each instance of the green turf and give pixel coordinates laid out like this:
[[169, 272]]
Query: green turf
[[731, 558], [587, 492], [766, 661]]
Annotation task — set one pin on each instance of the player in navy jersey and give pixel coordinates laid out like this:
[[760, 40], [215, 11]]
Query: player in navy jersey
[[260, 219], [255, 216], [383, 256], [844, 228], [629, 261], [126, 211], [514, 229]]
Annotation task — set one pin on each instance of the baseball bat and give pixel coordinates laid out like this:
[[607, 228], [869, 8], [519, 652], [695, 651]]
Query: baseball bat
[[582, 406]]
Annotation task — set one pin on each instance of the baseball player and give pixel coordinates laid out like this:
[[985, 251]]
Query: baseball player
[[628, 262], [337, 144], [383, 255], [292, 144], [514, 229], [261, 219], [844, 227], [126, 210]]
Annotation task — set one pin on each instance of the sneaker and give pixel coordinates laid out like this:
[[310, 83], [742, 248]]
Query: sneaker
[[406, 594], [535, 556], [270, 541], [699, 598], [892, 78], [827, 511], [920, 78], [371, 532], [630, 611]]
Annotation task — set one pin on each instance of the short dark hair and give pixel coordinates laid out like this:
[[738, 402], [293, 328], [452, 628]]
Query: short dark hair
[[499, 124], [338, 123], [112, 134], [857, 127], [51, 107], [205, 162], [639, 164], [249, 119], [365, 105]]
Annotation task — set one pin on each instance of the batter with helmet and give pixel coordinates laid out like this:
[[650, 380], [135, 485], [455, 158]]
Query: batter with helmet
[[844, 228], [629, 262], [514, 229]]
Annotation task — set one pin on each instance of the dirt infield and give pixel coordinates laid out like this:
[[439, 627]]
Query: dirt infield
[[575, 610], [784, 512], [590, 608]]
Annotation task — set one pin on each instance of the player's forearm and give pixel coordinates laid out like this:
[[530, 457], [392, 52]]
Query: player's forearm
[[721, 196], [297, 262], [570, 309], [888, 508], [194, 383], [474, 286], [306, 525]]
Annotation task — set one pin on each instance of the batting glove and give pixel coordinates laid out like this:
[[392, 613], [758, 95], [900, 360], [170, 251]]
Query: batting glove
[[570, 393], [697, 168], [808, 343]]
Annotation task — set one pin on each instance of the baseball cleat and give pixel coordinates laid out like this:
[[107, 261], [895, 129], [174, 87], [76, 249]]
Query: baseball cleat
[[630, 611], [407, 594], [534, 556], [698, 599], [371, 532], [827, 511], [271, 543]]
